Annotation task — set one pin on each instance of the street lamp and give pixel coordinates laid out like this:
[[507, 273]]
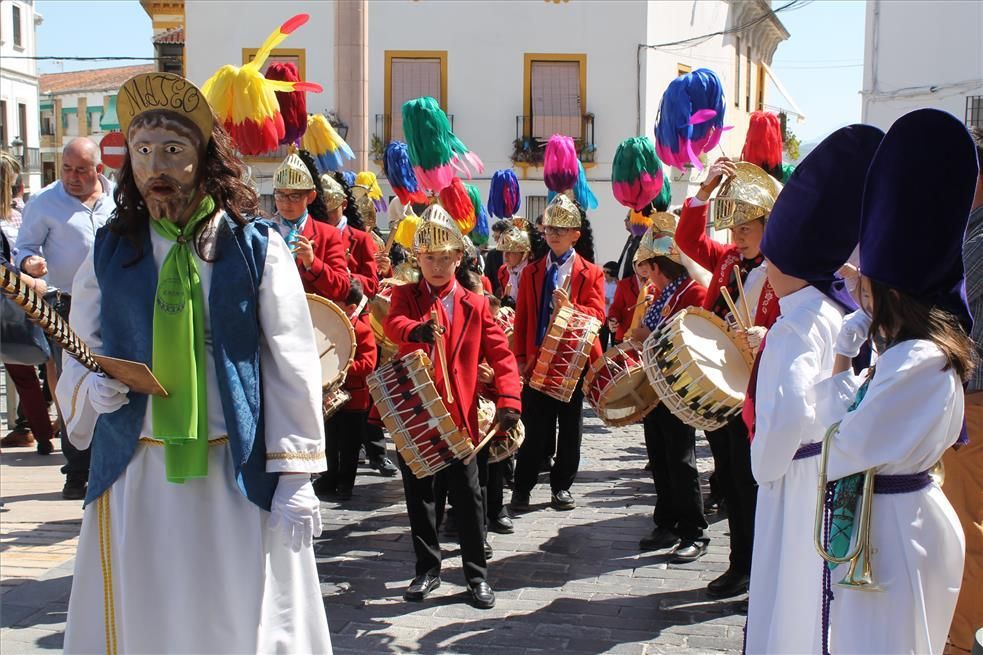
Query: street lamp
[[17, 149]]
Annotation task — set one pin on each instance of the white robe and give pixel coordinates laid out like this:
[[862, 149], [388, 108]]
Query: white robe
[[912, 412], [193, 567], [786, 572]]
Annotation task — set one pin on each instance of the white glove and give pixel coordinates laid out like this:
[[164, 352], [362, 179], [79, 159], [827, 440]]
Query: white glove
[[105, 394], [296, 509], [853, 334], [755, 335]]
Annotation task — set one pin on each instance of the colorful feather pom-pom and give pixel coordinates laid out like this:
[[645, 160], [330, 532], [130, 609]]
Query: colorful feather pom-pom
[[503, 194], [638, 223], [455, 199], [691, 118], [433, 148], [293, 104], [636, 174], [368, 179], [406, 230], [245, 102], [479, 235], [321, 140], [661, 202], [581, 191], [763, 144], [349, 177], [399, 171], [560, 164]]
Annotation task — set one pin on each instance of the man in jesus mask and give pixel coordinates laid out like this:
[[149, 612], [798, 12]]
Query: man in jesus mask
[[199, 517]]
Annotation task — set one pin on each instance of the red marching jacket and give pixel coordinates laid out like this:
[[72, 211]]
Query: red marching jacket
[[473, 336], [360, 249], [623, 307], [364, 363], [690, 294], [328, 275], [719, 259], [586, 294]]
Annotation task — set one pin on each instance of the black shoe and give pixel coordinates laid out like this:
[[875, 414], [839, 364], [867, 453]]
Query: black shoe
[[420, 587], [488, 551], [482, 596], [562, 501], [384, 466], [659, 538], [502, 525], [325, 485], [731, 583], [343, 493], [45, 447], [520, 501], [688, 550], [74, 490]]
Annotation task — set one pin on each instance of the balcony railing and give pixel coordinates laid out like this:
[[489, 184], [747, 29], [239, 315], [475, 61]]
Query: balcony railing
[[532, 133], [974, 111], [384, 134]]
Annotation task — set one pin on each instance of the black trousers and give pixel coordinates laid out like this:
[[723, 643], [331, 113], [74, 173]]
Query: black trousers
[[671, 446], [492, 479], [461, 483], [373, 437], [547, 422], [76, 468], [732, 460], [343, 434]]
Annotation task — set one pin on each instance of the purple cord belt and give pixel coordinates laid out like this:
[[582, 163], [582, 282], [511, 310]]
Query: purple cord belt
[[902, 483], [809, 450]]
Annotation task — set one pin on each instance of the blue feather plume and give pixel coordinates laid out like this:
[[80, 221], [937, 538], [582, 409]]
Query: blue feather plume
[[503, 194]]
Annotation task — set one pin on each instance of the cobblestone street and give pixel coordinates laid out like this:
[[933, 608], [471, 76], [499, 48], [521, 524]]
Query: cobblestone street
[[565, 581]]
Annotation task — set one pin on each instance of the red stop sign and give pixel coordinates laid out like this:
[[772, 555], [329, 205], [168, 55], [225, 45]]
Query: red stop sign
[[113, 148]]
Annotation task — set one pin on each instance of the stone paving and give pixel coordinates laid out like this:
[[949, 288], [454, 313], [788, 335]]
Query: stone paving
[[565, 581]]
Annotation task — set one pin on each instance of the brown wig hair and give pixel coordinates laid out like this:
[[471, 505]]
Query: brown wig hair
[[669, 268], [900, 317], [222, 176]]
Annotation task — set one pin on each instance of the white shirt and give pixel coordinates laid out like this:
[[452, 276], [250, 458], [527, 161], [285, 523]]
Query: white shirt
[[447, 300], [564, 270], [514, 275]]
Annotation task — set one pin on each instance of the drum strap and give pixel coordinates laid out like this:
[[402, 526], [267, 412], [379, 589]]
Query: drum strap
[[550, 282]]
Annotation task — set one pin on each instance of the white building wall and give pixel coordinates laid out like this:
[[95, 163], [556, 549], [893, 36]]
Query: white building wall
[[921, 53], [18, 79], [216, 31], [485, 78]]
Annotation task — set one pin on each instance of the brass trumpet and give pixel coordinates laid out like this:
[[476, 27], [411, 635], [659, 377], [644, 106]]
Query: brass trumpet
[[859, 575]]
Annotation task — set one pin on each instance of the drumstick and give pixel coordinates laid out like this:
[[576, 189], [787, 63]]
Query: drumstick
[[484, 442], [392, 236], [733, 308], [439, 344], [741, 294]]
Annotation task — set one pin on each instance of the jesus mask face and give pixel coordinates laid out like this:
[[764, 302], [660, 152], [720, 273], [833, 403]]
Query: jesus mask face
[[165, 155]]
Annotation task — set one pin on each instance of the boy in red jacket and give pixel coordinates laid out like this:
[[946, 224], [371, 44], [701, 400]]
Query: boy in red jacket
[[301, 220], [671, 444], [344, 431], [742, 206], [469, 335], [542, 288]]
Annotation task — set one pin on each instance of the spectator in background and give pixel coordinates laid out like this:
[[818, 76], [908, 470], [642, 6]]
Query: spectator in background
[[58, 229], [494, 258], [963, 484], [32, 410], [610, 285], [625, 262]]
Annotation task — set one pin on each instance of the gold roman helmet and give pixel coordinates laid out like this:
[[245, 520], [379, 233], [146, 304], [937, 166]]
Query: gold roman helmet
[[167, 92], [746, 196], [365, 205], [562, 212], [293, 175], [657, 244], [514, 240], [333, 192], [664, 222], [437, 232]]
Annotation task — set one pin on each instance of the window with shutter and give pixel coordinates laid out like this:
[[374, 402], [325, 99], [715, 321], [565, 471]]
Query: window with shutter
[[555, 97]]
